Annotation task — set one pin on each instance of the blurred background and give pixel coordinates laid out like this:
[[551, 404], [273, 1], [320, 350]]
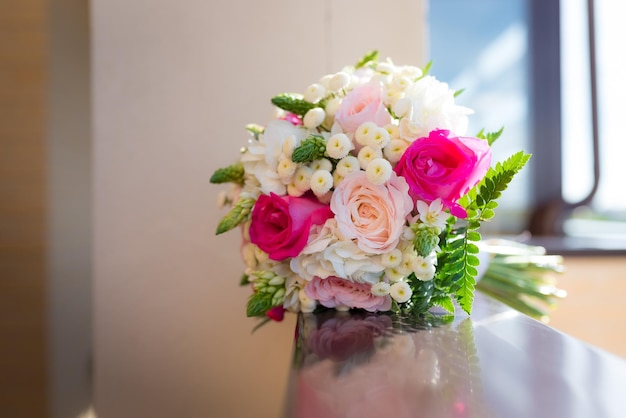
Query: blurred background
[[116, 298]]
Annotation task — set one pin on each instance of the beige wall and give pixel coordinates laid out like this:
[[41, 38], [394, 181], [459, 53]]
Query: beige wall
[[174, 83]]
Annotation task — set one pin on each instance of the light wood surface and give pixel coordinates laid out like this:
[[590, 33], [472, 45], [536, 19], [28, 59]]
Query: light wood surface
[[595, 309]]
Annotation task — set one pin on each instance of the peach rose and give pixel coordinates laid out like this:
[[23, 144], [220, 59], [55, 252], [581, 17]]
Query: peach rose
[[373, 215], [363, 104]]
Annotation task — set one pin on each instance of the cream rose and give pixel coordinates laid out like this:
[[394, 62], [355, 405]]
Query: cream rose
[[372, 215]]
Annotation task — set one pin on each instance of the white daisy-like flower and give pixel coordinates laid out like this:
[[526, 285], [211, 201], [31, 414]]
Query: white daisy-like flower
[[377, 138], [337, 178], [293, 191], [380, 289], [432, 215], [302, 178], [338, 146], [385, 67], [392, 258], [314, 118], [400, 291], [424, 267], [360, 136], [321, 164], [339, 81], [393, 274], [286, 169], [347, 165], [401, 82], [332, 105], [321, 182], [395, 149], [367, 154], [378, 171], [314, 93], [394, 130]]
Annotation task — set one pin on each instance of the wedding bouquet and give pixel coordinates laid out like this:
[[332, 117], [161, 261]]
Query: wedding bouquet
[[364, 193]]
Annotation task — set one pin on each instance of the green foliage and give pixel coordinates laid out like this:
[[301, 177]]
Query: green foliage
[[269, 291], [489, 136], [458, 92], [237, 215], [232, 174], [371, 56], [425, 241], [293, 103], [311, 149], [258, 304], [480, 202], [458, 261]]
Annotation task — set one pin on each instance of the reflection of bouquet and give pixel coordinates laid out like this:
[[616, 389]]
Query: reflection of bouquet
[[364, 193]]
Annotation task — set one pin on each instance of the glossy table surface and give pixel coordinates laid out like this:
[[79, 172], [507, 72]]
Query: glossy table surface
[[496, 363]]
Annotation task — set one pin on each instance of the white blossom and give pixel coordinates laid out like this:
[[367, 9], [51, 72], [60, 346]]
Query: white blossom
[[339, 81], [392, 258], [380, 289], [321, 182], [378, 171], [314, 117], [377, 138], [347, 165], [314, 93], [395, 149], [360, 136], [400, 291], [338, 146], [367, 154], [321, 164], [432, 215], [302, 178]]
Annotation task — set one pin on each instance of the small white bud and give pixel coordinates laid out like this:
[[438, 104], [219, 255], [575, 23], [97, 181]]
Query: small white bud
[[314, 118], [321, 182], [338, 146]]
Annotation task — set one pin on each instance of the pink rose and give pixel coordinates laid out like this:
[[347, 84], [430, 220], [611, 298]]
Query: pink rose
[[334, 291], [363, 104], [280, 224], [443, 166], [372, 215]]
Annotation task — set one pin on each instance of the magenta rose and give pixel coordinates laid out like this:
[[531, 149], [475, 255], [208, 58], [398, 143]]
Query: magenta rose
[[363, 104], [444, 166], [332, 292], [280, 224]]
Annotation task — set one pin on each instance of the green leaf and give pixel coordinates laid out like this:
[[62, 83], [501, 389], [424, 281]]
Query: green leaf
[[293, 103], [490, 136], [458, 92], [258, 304], [473, 236], [311, 149], [465, 294], [237, 215], [244, 281], [367, 58], [444, 302], [232, 174]]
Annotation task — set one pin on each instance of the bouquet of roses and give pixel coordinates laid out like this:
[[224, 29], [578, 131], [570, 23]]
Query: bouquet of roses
[[364, 193]]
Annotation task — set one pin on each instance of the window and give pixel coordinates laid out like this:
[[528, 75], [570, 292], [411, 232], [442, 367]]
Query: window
[[525, 64]]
